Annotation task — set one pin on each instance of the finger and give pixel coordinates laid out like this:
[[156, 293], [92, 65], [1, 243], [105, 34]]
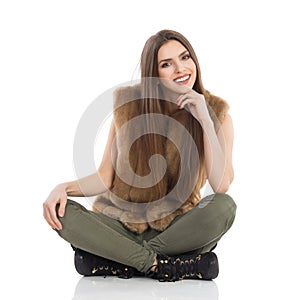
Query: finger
[[48, 218], [182, 96], [62, 206], [184, 102], [189, 91], [187, 101], [53, 217], [181, 99]]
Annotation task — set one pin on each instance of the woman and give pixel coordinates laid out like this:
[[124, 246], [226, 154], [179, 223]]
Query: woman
[[152, 221]]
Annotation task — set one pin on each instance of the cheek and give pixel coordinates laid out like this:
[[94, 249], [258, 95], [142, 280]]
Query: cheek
[[163, 73], [192, 66], [194, 70]]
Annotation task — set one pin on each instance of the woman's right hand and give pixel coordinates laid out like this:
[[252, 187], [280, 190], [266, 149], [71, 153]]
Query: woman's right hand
[[57, 196]]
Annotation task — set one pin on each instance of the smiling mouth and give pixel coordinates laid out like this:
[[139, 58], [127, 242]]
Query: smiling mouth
[[183, 79]]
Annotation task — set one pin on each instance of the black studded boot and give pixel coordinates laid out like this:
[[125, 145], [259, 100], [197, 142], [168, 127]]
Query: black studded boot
[[188, 266], [88, 264]]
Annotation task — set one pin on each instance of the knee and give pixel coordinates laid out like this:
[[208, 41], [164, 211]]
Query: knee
[[68, 221], [226, 201], [227, 207], [220, 206], [223, 201]]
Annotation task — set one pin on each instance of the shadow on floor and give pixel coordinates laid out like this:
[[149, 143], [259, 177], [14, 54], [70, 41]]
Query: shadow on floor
[[143, 288]]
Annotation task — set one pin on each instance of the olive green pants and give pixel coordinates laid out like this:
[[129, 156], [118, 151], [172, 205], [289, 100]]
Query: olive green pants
[[200, 229]]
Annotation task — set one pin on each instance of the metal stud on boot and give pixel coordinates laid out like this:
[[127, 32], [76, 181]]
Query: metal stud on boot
[[188, 266], [88, 264]]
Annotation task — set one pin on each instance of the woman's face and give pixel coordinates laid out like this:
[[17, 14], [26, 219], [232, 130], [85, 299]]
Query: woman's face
[[176, 69]]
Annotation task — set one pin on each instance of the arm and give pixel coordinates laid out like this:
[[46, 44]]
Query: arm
[[91, 185], [218, 154], [217, 146]]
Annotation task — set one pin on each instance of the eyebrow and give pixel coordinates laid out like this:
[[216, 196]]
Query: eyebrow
[[168, 59]]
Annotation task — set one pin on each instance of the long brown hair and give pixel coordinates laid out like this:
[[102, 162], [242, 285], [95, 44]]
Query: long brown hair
[[152, 95]]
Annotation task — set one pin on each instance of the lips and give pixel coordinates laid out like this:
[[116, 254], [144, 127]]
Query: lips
[[182, 79]]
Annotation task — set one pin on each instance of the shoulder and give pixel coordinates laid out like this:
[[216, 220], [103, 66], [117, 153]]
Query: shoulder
[[125, 94], [227, 122], [125, 105]]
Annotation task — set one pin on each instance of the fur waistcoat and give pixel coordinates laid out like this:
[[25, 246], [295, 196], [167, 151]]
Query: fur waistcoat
[[139, 197]]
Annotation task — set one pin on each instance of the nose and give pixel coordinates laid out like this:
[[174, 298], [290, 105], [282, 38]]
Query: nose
[[179, 67]]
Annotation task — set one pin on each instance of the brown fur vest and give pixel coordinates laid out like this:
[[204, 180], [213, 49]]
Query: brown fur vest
[[133, 200]]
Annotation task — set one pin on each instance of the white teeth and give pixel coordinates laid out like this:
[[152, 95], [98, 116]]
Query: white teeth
[[182, 78]]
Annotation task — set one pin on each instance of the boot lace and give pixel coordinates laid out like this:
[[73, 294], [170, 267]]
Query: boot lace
[[173, 269]]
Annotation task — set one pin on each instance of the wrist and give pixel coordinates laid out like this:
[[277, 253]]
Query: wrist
[[207, 123], [63, 187]]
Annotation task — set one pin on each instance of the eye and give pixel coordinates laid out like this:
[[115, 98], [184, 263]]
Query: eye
[[186, 57], [165, 65]]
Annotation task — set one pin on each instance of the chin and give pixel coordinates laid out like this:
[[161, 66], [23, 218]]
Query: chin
[[181, 89], [176, 89]]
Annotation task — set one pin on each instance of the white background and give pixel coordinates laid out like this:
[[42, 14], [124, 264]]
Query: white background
[[58, 56]]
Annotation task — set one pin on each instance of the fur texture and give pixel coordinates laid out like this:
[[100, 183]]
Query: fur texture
[[121, 201]]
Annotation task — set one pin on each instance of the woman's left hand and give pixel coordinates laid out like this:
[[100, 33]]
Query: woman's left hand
[[196, 105]]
